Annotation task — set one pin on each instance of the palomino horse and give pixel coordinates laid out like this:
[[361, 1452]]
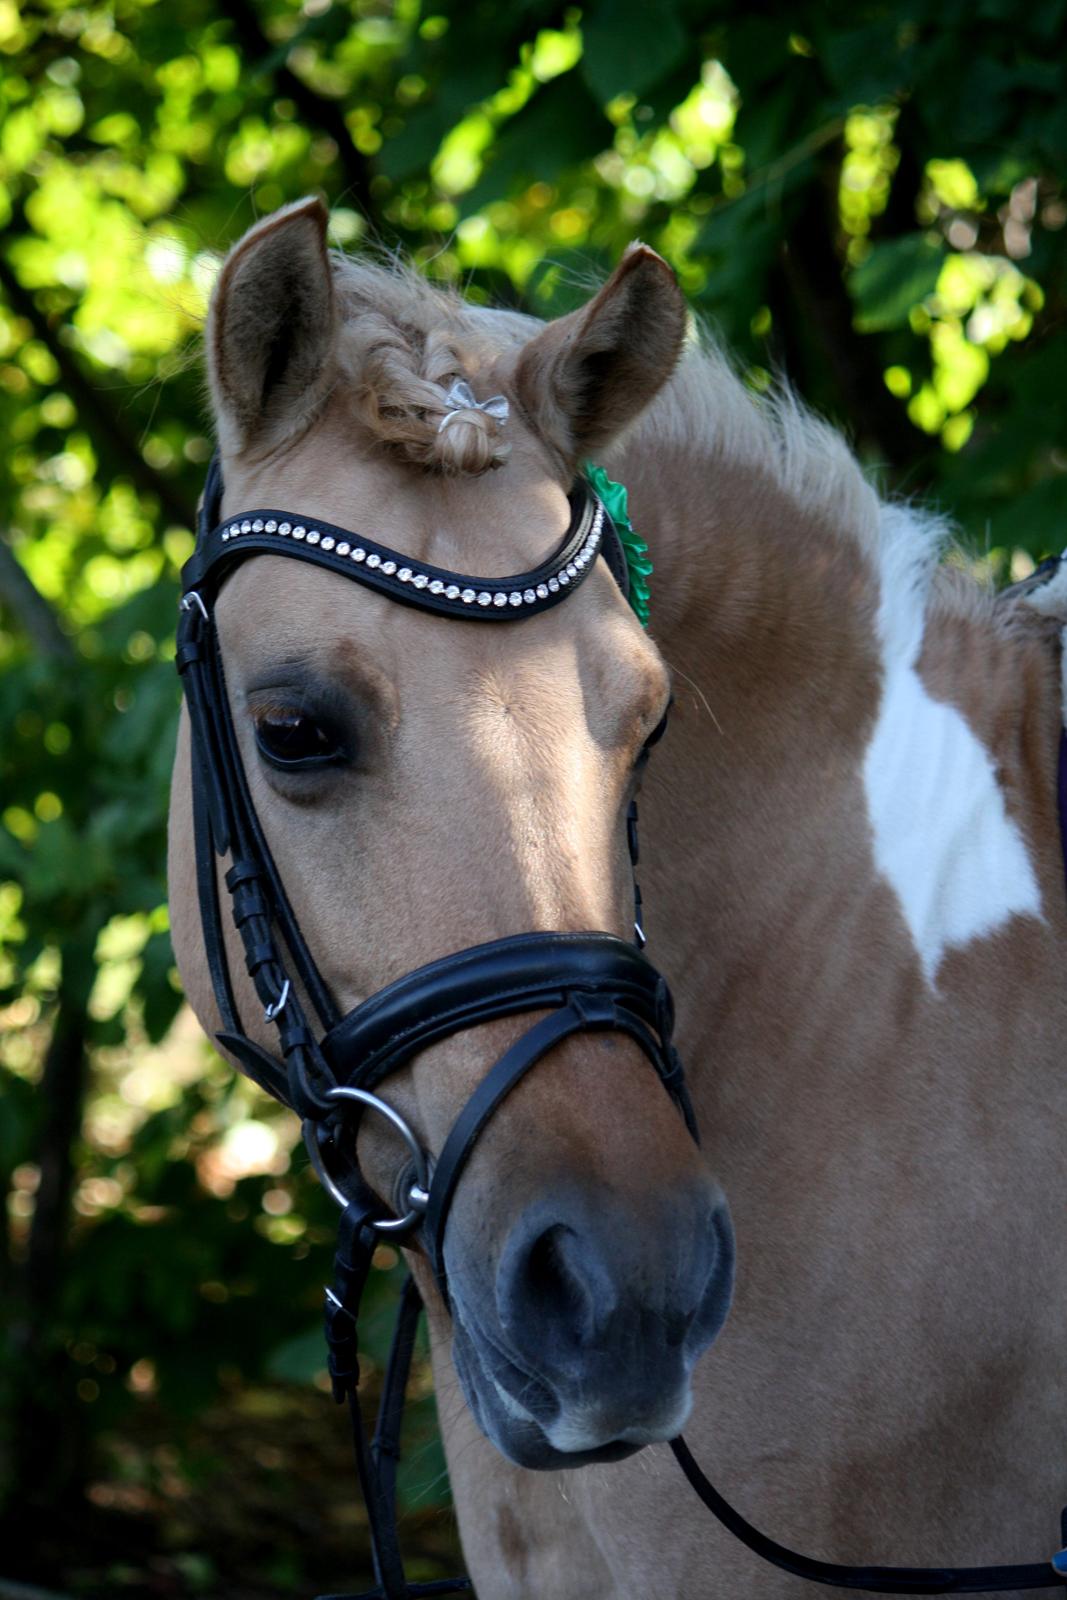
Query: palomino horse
[[853, 880]]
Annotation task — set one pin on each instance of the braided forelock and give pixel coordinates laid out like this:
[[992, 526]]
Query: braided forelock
[[402, 375]]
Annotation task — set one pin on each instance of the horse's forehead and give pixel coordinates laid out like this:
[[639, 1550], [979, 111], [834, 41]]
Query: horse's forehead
[[491, 525], [584, 661]]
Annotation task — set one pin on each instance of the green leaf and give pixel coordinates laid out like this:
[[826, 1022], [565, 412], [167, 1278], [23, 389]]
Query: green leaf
[[417, 142], [20, 1119], [161, 1001], [896, 276], [869, 63], [630, 45], [742, 237], [559, 127], [755, 53], [1036, 521]]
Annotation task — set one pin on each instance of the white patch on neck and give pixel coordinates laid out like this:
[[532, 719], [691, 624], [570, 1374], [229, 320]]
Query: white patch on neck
[[942, 835]]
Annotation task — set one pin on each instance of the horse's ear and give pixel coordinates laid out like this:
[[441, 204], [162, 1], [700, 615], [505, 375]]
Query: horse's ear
[[271, 329], [587, 375]]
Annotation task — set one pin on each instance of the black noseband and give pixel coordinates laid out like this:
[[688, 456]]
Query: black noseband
[[528, 972], [587, 982], [583, 982]]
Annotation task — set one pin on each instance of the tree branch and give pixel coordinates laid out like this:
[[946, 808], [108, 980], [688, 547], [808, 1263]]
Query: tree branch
[[813, 276], [21, 597], [323, 113], [48, 1454], [110, 434], [62, 1088]]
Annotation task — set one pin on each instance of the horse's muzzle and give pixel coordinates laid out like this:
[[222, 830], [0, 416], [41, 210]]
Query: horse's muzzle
[[582, 1347]]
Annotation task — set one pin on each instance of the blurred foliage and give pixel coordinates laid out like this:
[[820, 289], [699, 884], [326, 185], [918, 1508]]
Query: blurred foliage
[[869, 196]]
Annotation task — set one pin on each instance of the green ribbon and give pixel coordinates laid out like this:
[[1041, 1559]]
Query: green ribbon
[[638, 565]]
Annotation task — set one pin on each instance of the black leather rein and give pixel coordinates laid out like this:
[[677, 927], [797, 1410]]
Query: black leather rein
[[581, 982]]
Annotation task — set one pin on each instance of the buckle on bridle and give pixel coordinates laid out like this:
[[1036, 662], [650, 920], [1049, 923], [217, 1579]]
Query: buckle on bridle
[[276, 1007]]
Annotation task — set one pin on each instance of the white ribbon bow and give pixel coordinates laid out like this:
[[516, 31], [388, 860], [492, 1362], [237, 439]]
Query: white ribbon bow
[[460, 397]]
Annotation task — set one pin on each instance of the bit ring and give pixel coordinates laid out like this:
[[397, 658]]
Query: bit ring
[[418, 1192]]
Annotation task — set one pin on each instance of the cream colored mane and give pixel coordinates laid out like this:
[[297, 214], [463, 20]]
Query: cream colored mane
[[715, 425], [405, 340], [707, 411]]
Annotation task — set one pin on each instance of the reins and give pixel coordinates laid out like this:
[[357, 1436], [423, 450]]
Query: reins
[[1050, 1574], [582, 982]]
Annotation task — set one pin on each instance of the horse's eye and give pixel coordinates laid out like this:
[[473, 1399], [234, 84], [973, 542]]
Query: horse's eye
[[293, 740]]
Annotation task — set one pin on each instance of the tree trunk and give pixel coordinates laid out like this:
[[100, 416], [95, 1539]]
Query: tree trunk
[[47, 1442]]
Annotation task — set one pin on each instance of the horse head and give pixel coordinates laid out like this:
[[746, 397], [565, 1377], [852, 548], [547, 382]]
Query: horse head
[[426, 787]]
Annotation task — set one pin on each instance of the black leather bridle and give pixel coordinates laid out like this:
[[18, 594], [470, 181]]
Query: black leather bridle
[[584, 982]]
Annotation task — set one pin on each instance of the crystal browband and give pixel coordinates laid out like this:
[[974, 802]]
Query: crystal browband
[[401, 578]]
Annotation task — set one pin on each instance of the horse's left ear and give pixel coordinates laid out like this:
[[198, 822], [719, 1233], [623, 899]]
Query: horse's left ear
[[587, 375], [271, 329]]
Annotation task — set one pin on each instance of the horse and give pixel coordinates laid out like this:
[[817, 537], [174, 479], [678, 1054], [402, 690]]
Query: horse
[[852, 877]]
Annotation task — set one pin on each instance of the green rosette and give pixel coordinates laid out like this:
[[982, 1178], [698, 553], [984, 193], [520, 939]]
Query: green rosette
[[638, 564]]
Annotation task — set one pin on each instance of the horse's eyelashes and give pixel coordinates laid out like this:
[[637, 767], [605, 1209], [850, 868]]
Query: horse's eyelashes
[[661, 726], [296, 741], [654, 738]]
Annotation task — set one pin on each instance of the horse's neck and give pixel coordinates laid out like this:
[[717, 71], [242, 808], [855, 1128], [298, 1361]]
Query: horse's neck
[[843, 828]]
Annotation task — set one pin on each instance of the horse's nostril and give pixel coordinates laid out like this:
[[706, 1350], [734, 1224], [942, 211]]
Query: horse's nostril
[[554, 1289], [601, 1313], [555, 1284], [580, 1283]]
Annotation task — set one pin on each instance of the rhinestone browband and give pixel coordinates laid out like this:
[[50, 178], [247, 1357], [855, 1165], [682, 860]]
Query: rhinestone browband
[[412, 583]]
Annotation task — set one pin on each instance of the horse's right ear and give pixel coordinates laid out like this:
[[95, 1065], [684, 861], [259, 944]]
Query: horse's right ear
[[271, 329], [586, 376]]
